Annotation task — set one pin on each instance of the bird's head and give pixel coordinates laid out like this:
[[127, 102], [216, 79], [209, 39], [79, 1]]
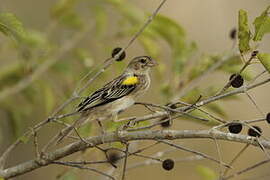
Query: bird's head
[[141, 64]]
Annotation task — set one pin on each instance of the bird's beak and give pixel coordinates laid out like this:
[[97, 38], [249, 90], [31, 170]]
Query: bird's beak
[[152, 63]]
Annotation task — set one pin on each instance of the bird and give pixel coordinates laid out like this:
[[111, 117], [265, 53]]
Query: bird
[[118, 94]]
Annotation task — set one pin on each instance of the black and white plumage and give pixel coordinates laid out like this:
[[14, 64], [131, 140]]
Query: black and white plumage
[[120, 93], [110, 92], [115, 96]]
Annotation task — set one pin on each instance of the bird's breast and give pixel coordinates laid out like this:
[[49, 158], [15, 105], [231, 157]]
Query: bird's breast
[[143, 85], [122, 104]]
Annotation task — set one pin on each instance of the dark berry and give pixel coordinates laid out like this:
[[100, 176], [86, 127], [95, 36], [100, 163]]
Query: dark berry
[[164, 123], [252, 132], [268, 117], [254, 53], [116, 51], [235, 128], [113, 157], [233, 33], [237, 81], [168, 164]]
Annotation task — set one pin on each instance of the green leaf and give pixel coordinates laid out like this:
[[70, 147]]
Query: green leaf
[[72, 20], [243, 31], [175, 36], [11, 26], [247, 74], [10, 74], [35, 39], [2, 178], [17, 118], [170, 30], [206, 173], [64, 12], [265, 60], [134, 15], [202, 65], [262, 25]]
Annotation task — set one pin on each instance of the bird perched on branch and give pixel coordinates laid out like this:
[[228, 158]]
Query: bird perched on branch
[[117, 95], [120, 93]]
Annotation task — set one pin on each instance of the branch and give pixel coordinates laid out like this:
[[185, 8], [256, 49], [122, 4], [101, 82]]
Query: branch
[[125, 136], [69, 45], [203, 102], [195, 82]]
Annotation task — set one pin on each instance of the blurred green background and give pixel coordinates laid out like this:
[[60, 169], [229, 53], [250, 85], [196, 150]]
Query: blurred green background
[[78, 35]]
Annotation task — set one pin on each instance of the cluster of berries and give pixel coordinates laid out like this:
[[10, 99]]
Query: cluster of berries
[[255, 131]]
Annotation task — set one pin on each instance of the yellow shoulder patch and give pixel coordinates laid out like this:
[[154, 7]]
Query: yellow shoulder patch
[[130, 80]]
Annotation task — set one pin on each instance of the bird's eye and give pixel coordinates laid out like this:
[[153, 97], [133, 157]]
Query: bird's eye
[[143, 61]]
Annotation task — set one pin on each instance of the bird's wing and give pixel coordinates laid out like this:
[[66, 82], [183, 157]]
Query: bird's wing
[[116, 89]]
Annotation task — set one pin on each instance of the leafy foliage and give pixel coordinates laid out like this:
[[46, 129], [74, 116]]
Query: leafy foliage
[[262, 25], [37, 47], [265, 60], [64, 11], [244, 34], [11, 26]]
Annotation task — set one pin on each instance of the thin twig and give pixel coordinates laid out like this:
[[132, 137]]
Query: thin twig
[[84, 168], [254, 103], [247, 169], [194, 152], [125, 162], [149, 162], [219, 156], [235, 158], [205, 101], [263, 148], [36, 144], [68, 46], [234, 77], [194, 83]]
